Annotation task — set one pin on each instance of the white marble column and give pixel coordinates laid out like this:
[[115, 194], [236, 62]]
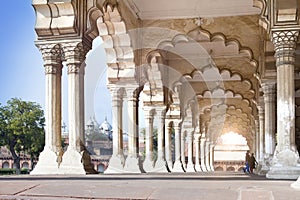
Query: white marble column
[[177, 164], [160, 164], [148, 164], [270, 117], [50, 158], [168, 144], [197, 152], [76, 159], [207, 154], [261, 115], [132, 163], [116, 162], [285, 160], [211, 156], [190, 165], [203, 153], [263, 166], [257, 139], [182, 149]]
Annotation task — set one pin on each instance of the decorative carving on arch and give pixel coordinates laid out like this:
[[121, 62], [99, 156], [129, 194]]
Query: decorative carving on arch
[[153, 88], [231, 46], [117, 44], [263, 21]]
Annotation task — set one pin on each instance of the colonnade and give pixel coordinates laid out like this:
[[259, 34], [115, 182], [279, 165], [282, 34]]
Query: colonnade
[[199, 149], [75, 160]]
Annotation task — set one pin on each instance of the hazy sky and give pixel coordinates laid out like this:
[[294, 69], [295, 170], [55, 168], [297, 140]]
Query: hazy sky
[[22, 71]]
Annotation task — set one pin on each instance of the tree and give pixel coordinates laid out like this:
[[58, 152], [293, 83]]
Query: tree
[[22, 129]]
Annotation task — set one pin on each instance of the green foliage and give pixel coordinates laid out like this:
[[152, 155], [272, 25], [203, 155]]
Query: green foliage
[[22, 128], [13, 171], [143, 134]]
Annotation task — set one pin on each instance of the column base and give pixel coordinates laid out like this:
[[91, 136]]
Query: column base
[[283, 173], [296, 185], [132, 165], [198, 168], [74, 162], [262, 169], [284, 165], [190, 167], [148, 165], [208, 168], [170, 164], [47, 163], [161, 166], [203, 167], [177, 167], [115, 165]]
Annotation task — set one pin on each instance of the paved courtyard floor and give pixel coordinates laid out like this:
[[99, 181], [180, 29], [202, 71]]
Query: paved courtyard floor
[[204, 186]]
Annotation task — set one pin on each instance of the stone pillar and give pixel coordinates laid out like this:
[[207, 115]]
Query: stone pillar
[[182, 150], [132, 163], [50, 157], [160, 164], [261, 114], [202, 153], [211, 156], [269, 100], [168, 144], [148, 164], [257, 149], [197, 152], [207, 154], [76, 159], [116, 162], [190, 165], [177, 164], [263, 166], [284, 163]]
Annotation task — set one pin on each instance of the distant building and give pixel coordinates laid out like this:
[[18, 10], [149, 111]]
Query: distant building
[[7, 161]]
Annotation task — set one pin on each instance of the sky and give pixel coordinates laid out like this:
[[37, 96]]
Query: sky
[[22, 72]]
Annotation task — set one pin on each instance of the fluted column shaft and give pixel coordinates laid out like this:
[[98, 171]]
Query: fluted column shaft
[[202, 153], [190, 147], [257, 138], [190, 164], [75, 56], [261, 114], [116, 162], [132, 163], [182, 148], [211, 156], [53, 72], [132, 124], [178, 160], [149, 135], [207, 155], [269, 100], [160, 133], [168, 144], [197, 152], [117, 108]]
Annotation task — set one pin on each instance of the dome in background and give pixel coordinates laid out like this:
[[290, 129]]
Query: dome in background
[[105, 127]]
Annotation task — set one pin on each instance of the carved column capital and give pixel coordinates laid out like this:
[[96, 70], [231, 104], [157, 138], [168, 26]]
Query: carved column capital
[[53, 69], [52, 54], [285, 45], [269, 90], [75, 54]]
